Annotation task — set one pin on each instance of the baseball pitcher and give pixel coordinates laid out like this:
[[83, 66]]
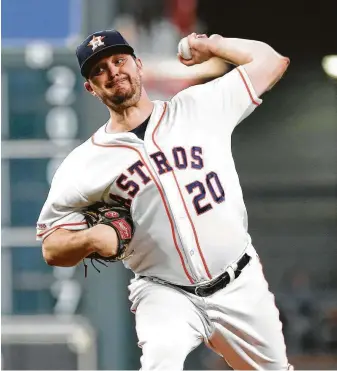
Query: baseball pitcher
[[156, 187]]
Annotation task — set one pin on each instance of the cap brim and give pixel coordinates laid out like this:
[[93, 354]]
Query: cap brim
[[102, 52]]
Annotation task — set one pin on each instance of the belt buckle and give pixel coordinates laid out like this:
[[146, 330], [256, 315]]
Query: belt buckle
[[200, 291], [196, 290]]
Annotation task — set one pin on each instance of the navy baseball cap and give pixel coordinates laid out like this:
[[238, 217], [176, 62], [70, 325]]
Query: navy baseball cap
[[98, 45]]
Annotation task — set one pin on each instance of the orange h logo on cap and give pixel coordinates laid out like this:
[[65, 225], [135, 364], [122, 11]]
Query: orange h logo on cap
[[96, 42]]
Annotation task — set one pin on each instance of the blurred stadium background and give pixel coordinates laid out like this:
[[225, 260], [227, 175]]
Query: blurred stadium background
[[286, 155]]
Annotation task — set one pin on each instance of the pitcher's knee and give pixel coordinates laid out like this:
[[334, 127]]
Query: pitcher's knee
[[164, 354]]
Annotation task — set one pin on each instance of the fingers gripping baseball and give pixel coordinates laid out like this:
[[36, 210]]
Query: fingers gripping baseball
[[194, 49], [184, 50]]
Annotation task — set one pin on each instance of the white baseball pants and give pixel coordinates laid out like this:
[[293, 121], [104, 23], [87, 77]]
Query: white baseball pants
[[240, 323]]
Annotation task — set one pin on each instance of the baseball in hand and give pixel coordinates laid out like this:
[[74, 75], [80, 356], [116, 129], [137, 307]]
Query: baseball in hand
[[184, 49]]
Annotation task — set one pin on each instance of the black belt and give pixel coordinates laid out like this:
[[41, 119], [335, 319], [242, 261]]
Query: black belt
[[207, 289]]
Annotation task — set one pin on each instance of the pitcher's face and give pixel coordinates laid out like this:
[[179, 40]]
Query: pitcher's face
[[116, 80]]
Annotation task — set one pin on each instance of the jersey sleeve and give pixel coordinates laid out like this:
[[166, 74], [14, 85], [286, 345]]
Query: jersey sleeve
[[62, 207], [228, 99]]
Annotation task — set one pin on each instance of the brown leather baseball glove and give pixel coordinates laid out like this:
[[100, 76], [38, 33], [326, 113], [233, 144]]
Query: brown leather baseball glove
[[117, 216]]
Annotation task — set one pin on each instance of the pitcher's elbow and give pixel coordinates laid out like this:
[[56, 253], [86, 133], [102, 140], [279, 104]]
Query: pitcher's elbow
[[48, 256], [284, 63], [282, 67]]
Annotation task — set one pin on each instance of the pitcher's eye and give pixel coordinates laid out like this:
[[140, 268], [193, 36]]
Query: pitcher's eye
[[97, 71], [119, 61]]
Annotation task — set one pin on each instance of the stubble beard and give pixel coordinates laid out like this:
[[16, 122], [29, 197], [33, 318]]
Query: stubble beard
[[123, 99]]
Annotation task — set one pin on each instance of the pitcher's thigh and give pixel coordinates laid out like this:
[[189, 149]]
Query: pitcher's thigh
[[248, 329], [169, 327]]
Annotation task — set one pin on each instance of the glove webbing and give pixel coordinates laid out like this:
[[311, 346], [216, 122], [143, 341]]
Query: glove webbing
[[92, 263]]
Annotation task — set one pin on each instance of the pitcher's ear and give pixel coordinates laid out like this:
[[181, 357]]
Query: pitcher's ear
[[139, 63], [88, 88]]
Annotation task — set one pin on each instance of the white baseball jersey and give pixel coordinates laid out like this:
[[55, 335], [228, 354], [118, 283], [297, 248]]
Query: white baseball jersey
[[181, 181]]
